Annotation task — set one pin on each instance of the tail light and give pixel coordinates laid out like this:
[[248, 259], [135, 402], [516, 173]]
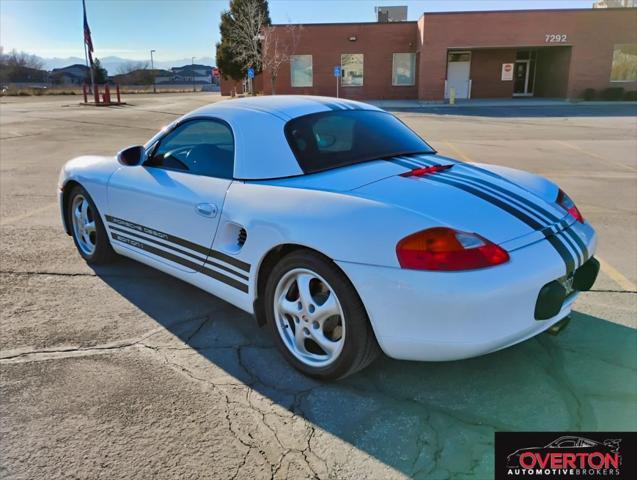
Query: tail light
[[564, 201], [446, 249]]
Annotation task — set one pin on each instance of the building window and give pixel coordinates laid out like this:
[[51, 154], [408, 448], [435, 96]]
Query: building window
[[624, 67], [301, 70], [459, 57], [404, 69], [352, 69]]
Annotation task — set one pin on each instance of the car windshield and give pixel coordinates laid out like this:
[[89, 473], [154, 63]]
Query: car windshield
[[326, 140]]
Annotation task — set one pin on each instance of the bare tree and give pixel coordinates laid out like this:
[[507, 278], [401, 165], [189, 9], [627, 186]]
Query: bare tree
[[279, 44], [21, 59], [21, 67], [244, 36], [129, 67]]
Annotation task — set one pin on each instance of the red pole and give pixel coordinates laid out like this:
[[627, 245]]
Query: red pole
[[85, 93], [119, 100], [107, 94], [96, 93]]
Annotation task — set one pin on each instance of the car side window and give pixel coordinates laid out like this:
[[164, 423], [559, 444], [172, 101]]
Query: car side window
[[201, 147], [567, 443]]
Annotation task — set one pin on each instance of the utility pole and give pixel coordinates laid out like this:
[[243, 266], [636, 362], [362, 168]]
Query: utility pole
[[192, 69], [152, 70]]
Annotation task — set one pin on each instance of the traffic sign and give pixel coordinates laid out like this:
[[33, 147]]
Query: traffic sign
[[337, 71], [250, 72]]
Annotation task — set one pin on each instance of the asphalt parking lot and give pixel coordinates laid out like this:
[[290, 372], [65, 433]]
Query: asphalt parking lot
[[124, 372]]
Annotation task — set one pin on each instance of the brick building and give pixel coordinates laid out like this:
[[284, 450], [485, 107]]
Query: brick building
[[497, 54]]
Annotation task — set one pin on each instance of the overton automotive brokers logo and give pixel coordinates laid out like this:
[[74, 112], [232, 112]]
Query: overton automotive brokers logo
[[573, 456]]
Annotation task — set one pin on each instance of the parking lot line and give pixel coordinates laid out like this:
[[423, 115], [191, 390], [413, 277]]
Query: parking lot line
[[594, 155], [457, 151], [609, 270], [616, 276], [17, 218]]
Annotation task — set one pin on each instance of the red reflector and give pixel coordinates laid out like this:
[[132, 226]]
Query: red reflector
[[446, 249], [419, 172]]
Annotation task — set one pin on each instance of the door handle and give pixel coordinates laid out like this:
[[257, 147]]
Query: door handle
[[206, 209]]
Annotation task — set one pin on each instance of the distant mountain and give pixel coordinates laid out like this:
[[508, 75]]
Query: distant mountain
[[51, 63], [112, 64]]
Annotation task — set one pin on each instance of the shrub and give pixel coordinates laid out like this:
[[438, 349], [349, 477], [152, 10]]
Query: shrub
[[589, 94], [613, 93], [631, 96]]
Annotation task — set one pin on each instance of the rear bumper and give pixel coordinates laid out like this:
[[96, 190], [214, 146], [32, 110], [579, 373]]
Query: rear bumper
[[438, 316]]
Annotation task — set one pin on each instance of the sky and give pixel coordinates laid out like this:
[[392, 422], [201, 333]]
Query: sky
[[186, 28]]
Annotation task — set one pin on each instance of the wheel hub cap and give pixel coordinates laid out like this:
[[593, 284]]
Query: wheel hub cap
[[83, 219], [309, 317]]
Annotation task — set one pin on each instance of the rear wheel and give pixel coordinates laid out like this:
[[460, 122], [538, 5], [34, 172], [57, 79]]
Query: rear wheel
[[87, 229], [316, 317]]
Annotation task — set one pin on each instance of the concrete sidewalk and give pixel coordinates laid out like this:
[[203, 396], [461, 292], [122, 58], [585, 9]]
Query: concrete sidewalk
[[489, 102]]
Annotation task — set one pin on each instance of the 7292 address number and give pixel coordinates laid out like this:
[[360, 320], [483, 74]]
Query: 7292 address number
[[555, 38]]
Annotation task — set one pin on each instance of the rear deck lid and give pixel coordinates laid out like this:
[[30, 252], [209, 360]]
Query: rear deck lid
[[466, 197]]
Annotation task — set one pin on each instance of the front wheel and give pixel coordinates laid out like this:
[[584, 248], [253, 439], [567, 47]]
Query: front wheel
[[316, 317], [87, 229]]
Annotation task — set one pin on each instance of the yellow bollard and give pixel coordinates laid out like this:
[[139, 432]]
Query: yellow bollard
[[452, 96]]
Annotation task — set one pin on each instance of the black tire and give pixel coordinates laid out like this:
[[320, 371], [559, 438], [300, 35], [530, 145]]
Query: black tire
[[360, 347], [103, 252]]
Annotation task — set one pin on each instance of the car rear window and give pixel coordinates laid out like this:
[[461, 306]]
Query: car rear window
[[326, 140]]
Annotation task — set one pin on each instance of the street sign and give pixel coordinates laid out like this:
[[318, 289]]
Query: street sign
[[507, 72], [250, 72], [337, 71]]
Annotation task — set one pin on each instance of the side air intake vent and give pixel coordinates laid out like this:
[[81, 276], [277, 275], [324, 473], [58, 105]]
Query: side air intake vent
[[241, 239]]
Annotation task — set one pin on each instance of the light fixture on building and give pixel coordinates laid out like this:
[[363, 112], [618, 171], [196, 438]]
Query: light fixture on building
[[352, 38]]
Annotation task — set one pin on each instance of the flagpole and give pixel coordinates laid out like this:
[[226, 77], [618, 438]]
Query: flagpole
[[87, 53], [93, 78], [87, 66]]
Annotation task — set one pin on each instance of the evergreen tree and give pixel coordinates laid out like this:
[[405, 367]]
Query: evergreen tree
[[239, 47], [101, 75]]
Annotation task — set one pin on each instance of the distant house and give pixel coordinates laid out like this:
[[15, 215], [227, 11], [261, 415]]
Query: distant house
[[186, 75], [72, 75], [163, 76], [142, 77], [192, 74]]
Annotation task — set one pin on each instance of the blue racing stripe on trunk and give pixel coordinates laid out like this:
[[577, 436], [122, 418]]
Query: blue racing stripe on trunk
[[580, 250], [557, 244]]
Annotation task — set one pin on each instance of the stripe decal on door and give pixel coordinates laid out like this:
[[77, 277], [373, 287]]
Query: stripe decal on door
[[181, 251], [207, 260]]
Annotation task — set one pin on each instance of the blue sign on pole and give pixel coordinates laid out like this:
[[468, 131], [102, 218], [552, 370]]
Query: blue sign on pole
[[337, 71], [250, 72]]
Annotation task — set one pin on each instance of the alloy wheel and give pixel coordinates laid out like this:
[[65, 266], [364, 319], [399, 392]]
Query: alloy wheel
[[309, 317], [84, 229]]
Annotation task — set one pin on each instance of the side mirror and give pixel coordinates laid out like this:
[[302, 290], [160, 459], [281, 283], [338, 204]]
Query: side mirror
[[131, 156]]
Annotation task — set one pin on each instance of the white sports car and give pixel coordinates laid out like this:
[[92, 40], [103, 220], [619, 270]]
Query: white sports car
[[340, 229]]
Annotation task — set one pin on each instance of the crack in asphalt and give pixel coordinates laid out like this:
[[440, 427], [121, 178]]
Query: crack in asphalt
[[84, 122], [254, 444], [613, 291], [74, 274], [304, 454], [66, 352]]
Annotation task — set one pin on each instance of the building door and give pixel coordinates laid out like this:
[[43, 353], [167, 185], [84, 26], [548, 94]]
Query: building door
[[458, 74], [524, 74]]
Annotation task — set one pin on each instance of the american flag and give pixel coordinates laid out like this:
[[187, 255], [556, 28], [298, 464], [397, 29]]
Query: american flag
[[87, 35]]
